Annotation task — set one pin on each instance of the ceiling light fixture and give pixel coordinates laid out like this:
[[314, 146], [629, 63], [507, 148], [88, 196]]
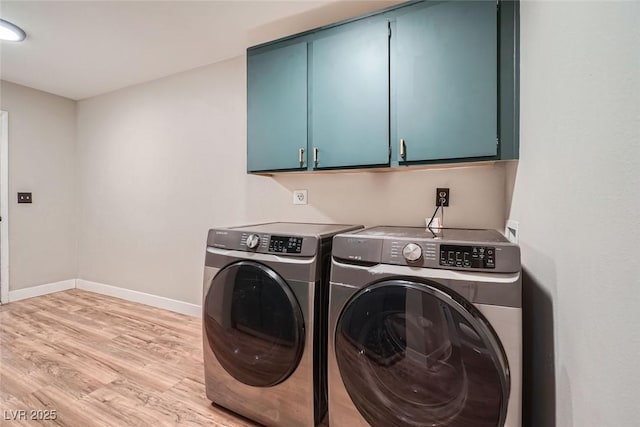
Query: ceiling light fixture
[[11, 32]]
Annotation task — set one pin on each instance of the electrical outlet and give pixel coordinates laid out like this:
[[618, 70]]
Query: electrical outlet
[[24, 198], [442, 197], [299, 197]]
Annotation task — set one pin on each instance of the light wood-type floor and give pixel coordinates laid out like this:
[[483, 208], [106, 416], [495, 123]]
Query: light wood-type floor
[[102, 361]]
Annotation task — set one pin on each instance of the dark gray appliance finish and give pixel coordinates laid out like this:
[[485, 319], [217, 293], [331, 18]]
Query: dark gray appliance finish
[[264, 320], [451, 249], [411, 344], [274, 237]]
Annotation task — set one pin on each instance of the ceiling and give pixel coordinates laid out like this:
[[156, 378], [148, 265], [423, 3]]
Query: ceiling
[[79, 49]]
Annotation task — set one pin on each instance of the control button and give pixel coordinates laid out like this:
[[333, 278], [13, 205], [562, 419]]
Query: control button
[[481, 250], [412, 252], [253, 240], [489, 251]]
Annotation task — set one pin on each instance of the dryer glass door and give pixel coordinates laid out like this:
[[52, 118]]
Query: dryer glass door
[[411, 354], [254, 324]]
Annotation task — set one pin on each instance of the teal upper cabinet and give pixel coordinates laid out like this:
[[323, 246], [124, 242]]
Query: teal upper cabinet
[[349, 95], [277, 108], [445, 81], [419, 83]]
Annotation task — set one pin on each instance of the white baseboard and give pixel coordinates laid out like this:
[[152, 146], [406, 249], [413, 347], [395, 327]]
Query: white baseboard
[[114, 291], [141, 297], [36, 291]]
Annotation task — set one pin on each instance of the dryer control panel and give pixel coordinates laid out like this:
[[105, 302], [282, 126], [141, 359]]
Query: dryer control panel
[[468, 256], [285, 244], [451, 249]]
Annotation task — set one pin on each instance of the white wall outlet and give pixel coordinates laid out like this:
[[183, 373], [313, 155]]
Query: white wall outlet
[[299, 197], [511, 231]]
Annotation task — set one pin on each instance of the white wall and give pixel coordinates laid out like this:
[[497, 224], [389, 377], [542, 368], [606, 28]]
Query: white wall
[[576, 194], [42, 160], [163, 162]]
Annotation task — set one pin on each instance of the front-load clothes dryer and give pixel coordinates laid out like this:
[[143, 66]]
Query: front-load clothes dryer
[[425, 329], [264, 320]]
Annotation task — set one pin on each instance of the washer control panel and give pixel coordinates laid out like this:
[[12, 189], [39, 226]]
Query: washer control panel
[[468, 256], [285, 244]]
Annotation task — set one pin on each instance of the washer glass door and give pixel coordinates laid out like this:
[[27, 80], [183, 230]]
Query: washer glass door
[[411, 354], [254, 324]]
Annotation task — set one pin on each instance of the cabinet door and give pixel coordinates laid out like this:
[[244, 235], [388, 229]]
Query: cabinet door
[[277, 108], [444, 72], [349, 90]]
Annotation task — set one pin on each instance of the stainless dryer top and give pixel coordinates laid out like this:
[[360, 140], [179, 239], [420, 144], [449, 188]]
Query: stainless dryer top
[[450, 249], [281, 238], [457, 234], [298, 229]]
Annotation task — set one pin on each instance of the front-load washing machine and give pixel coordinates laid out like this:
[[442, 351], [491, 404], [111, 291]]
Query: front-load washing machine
[[425, 329], [264, 320]]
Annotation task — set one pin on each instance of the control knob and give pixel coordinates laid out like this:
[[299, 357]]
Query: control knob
[[412, 252], [253, 240]]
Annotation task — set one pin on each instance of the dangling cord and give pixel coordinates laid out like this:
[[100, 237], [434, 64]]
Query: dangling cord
[[440, 206], [431, 220]]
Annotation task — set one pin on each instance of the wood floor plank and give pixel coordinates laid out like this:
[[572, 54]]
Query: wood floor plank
[[128, 366], [14, 383], [60, 303], [82, 361], [50, 369], [20, 325], [88, 325], [104, 362], [71, 412]]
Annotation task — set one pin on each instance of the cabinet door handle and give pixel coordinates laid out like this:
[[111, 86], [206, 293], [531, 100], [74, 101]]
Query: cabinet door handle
[[403, 149], [301, 156], [315, 155]]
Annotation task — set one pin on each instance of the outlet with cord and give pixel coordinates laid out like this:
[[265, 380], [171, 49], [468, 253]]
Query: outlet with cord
[[442, 197], [442, 201]]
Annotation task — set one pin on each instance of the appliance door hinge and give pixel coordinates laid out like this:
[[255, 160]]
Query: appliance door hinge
[[389, 28]]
